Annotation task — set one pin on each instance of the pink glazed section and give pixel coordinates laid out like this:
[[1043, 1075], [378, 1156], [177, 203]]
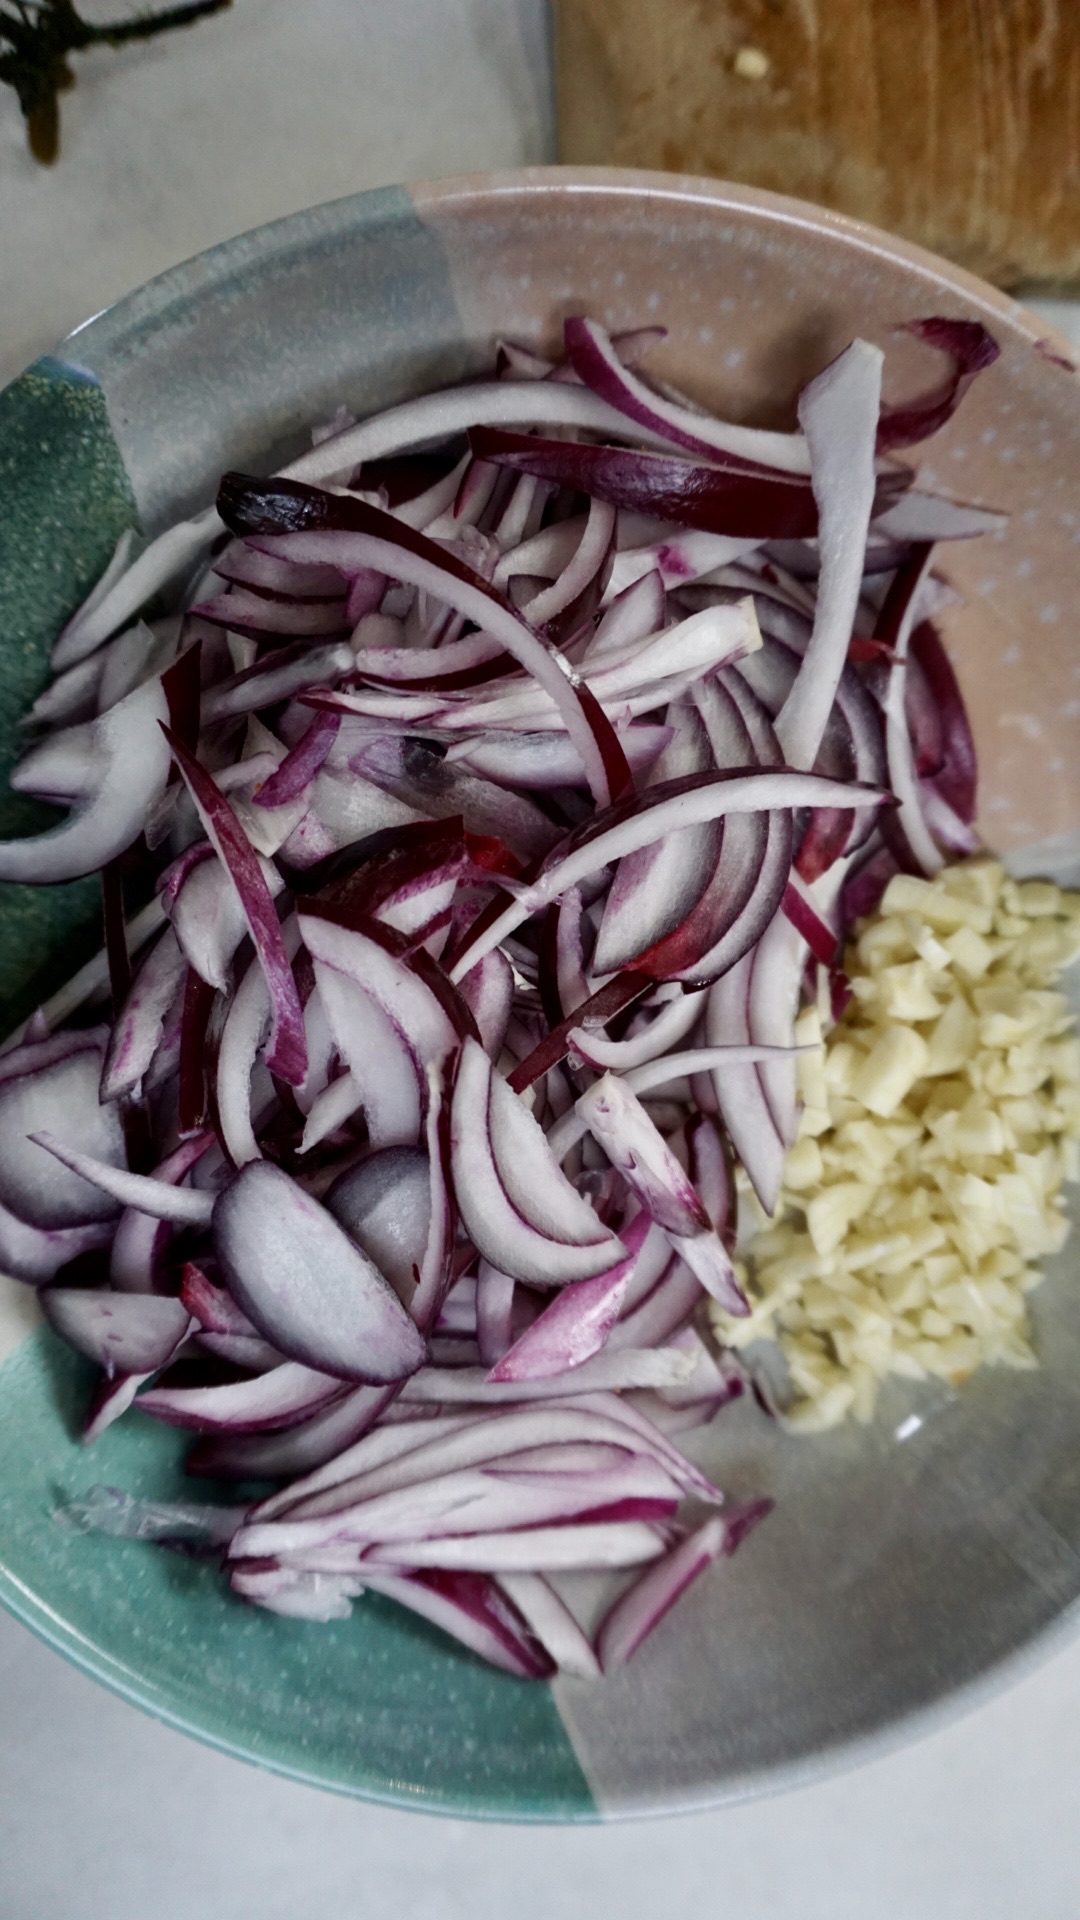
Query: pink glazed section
[[758, 293]]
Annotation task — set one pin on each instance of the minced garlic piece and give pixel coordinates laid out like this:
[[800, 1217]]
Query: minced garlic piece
[[941, 1117]]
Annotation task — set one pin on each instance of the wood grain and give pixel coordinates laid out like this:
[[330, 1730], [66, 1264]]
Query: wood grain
[[953, 122]]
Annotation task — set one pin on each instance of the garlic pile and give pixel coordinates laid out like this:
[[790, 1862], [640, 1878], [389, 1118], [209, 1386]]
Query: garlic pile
[[941, 1117]]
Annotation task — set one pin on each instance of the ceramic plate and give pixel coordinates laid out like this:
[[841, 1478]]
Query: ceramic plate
[[895, 1574]]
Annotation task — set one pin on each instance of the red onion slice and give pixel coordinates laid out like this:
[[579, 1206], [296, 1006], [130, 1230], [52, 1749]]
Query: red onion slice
[[644, 1605], [140, 1240], [574, 1327], [182, 1205], [287, 1056], [604, 1372], [365, 537], [275, 1399], [515, 1241], [721, 498], [739, 1091], [552, 1622], [384, 1205], [839, 413], [702, 798], [122, 1333], [306, 1286], [61, 1097], [470, 1608], [626, 1543], [36, 1254], [971, 348], [620, 1125], [593, 358], [133, 768]]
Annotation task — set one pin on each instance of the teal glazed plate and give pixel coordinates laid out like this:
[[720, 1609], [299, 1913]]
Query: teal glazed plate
[[898, 1575]]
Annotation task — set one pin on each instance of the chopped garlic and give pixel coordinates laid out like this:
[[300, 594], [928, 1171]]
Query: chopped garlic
[[940, 1119]]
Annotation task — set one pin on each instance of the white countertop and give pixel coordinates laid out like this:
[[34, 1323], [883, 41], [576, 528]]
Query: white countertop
[[105, 1815]]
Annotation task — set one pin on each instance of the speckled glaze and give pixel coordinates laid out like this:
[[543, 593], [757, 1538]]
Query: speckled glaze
[[893, 1579]]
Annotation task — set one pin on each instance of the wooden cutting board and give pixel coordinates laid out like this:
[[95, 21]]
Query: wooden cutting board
[[953, 122]]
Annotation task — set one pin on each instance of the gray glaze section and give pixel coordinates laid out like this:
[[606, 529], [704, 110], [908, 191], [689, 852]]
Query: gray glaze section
[[226, 360]]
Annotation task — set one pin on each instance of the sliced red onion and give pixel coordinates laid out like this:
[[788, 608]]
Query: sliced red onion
[[385, 1076], [593, 357], [548, 761], [36, 1254], [800, 908], [133, 768], [471, 1502], [306, 1286], [971, 348], [138, 1030], [678, 558], [243, 1350], [123, 1333], [413, 773], [384, 1204], [258, 614], [927, 516], [370, 956], [135, 656], [488, 989], [117, 567], [718, 498], [946, 827], [65, 767], [245, 1026], [529, 1176], [559, 1238], [365, 537], [654, 890], [435, 417], [773, 1005], [739, 1091], [245, 566], [110, 1401], [494, 1312], [552, 1622], [182, 1205], [276, 1399], [661, 1316], [130, 587], [273, 679], [470, 1608], [569, 1331], [604, 1372], [316, 1436], [140, 1239], [670, 1025], [570, 599], [909, 820], [209, 921], [956, 779], [63, 1097], [287, 1055], [839, 414], [298, 769], [297, 1593], [626, 1543], [702, 798], [620, 1125], [542, 1436], [644, 1605]]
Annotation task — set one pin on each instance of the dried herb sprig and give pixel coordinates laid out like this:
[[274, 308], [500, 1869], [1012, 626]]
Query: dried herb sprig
[[37, 38]]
